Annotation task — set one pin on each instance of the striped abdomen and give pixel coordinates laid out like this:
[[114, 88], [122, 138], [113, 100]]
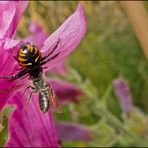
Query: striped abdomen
[[29, 56], [44, 101]]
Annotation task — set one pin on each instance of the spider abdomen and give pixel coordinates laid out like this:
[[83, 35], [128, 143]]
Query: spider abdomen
[[29, 56]]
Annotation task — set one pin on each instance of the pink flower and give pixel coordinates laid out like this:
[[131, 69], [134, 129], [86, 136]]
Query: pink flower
[[70, 33], [123, 94], [31, 127]]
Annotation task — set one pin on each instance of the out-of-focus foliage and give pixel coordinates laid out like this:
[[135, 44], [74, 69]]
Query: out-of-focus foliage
[[109, 50]]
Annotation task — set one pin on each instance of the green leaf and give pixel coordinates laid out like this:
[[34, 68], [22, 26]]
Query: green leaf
[[105, 135], [5, 113], [137, 123], [89, 89]]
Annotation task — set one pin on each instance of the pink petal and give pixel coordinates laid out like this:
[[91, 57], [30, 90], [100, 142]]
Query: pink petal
[[66, 92], [60, 69], [38, 35], [7, 12], [11, 44], [10, 13], [1, 42], [20, 8], [70, 33], [30, 127], [7, 67], [71, 131]]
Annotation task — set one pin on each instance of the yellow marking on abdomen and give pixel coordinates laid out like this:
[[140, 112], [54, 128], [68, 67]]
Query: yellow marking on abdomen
[[36, 50], [21, 54], [37, 58], [30, 47], [22, 59], [25, 64], [21, 50]]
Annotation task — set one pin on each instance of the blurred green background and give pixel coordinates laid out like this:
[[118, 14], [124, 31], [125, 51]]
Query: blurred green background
[[110, 49]]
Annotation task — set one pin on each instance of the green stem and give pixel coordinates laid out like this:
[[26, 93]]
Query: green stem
[[103, 112], [119, 126]]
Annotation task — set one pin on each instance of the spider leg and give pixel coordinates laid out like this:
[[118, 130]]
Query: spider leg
[[34, 90], [25, 76], [15, 76], [19, 68], [28, 100], [54, 48], [29, 97], [26, 89], [45, 67], [51, 58], [15, 58], [17, 61]]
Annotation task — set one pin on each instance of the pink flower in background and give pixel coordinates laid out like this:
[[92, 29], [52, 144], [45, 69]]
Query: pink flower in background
[[123, 94], [31, 127], [65, 91], [68, 131], [38, 35]]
